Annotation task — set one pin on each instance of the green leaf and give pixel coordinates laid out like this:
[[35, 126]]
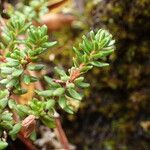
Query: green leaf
[[100, 35], [12, 62], [75, 62], [6, 116], [33, 79], [85, 58], [76, 51], [6, 125], [27, 79], [78, 80], [7, 70], [86, 68], [3, 93], [62, 102], [83, 85], [12, 104], [20, 91], [102, 54], [65, 78], [37, 67], [87, 44], [4, 81], [3, 145], [111, 43], [48, 121], [50, 81], [44, 30], [33, 105], [50, 104], [12, 83], [17, 73], [46, 93], [38, 51], [59, 71], [69, 110], [99, 64], [2, 46], [92, 35], [74, 94], [70, 85], [3, 103], [58, 91], [13, 133], [96, 47], [49, 44], [104, 43], [23, 110]]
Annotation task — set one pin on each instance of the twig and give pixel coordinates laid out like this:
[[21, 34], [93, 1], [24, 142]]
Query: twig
[[27, 142], [61, 134]]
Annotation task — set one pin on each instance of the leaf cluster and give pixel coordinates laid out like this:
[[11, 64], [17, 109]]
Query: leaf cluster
[[21, 45]]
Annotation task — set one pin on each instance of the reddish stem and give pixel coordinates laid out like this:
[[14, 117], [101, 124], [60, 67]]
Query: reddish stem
[[27, 142], [61, 134]]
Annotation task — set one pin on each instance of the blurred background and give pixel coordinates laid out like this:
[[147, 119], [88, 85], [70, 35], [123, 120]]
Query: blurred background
[[115, 112]]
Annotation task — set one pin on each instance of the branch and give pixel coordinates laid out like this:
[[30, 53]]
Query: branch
[[27, 142], [61, 134]]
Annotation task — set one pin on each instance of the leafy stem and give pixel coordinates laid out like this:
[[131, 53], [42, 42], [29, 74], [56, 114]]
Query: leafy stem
[[20, 58]]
